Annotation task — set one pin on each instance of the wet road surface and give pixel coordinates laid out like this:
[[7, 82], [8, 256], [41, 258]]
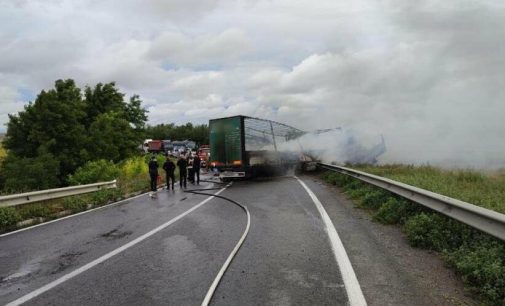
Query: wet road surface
[[286, 258]]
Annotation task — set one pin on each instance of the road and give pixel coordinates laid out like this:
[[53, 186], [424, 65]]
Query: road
[[135, 252]]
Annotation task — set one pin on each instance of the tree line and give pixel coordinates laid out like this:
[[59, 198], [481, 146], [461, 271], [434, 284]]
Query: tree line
[[170, 131], [66, 127]]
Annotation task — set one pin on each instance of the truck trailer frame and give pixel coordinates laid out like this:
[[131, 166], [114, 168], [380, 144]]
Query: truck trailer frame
[[242, 146]]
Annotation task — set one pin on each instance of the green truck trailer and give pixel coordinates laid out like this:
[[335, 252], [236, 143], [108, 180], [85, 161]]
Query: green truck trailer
[[242, 146]]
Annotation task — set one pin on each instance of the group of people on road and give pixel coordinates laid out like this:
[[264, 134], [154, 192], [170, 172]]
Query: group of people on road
[[189, 168]]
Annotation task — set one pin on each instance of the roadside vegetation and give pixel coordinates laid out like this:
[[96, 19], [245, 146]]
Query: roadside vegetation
[[132, 178], [3, 153], [67, 127], [482, 189], [479, 258], [71, 136], [198, 133]]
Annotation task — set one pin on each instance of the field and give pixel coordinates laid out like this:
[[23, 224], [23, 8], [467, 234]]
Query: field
[[479, 188], [477, 257]]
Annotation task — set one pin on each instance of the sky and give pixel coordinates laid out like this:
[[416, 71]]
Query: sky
[[427, 75]]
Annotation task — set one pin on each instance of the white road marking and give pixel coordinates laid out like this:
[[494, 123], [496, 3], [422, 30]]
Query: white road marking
[[69, 216], [352, 287], [103, 258], [72, 215]]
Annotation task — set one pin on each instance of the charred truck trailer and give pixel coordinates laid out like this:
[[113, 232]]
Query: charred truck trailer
[[242, 146]]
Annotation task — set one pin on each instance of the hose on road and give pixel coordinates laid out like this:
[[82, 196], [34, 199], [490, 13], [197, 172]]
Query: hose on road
[[219, 276]]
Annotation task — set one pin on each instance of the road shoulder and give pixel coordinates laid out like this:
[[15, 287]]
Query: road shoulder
[[389, 270]]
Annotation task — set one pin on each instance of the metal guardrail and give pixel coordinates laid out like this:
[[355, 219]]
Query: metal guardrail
[[477, 217], [37, 196]]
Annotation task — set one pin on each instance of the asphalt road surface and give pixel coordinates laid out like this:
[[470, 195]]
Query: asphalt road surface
[[136, 253]]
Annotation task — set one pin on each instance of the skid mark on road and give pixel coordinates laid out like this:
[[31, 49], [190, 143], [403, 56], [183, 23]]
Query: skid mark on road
[[66, 260], [116, 234]]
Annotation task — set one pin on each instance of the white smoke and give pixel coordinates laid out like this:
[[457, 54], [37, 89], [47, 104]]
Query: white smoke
[[343, 145]]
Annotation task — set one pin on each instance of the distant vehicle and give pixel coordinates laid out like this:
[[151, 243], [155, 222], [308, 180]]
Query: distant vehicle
[[204, 153], [185, 144], [155, 146], [178, 149], [168, 146], [145, 145], [242, 146], [190, 144]]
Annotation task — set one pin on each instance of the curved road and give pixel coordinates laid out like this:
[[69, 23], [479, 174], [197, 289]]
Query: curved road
[[158, 260]]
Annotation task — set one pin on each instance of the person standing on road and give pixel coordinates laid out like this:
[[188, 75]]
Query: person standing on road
[[196, 168], [191, 174], [169, 167], [183, 173], [153, 172]]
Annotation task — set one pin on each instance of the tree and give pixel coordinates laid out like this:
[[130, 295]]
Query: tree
[[102, 99], [24, 173], [112, 137], [135, 114], [198, 133], [53, 122], [116, 128], [72, 128]]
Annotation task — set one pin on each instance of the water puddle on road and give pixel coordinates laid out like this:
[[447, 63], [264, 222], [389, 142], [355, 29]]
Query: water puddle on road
[[26, 270]]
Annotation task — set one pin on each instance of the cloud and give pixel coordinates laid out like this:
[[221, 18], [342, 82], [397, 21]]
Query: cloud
[[179, 50], [428, 75]]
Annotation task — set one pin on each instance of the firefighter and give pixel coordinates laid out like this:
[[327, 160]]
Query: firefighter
[[183, 173], [153, 173], [191, 173], [169, 167], [196, 168]]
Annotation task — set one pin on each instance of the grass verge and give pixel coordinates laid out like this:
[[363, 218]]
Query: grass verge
[[477, 257], [132, 177]]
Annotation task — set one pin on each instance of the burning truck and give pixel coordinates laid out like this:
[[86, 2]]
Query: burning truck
[[242, 146]]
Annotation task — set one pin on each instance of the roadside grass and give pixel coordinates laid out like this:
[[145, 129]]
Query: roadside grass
[[132, 178], [477, 257], [486, 190], [3, 152]]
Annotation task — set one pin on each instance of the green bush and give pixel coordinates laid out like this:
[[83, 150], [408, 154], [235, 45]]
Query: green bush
[[358, 194], [375, 198], [327, 176], [477, 257], [393, 211], [421, 229], [8, 217], [26, 174], [133, 175], [34, 211], [102, 197], [397, 210], [98, 198], [77, 203], [352, 185], [482, 266], [94, 172], [336, 178], [436, 232]]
